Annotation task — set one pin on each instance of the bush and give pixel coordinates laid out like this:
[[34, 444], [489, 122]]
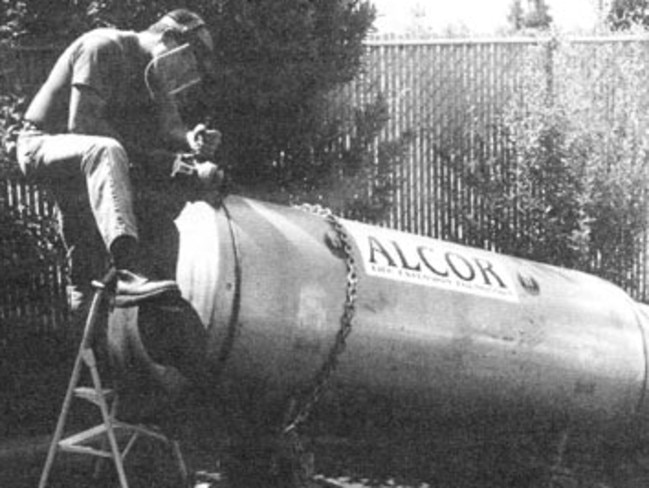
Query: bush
[[12, 107], [570, 190], [628, 14]]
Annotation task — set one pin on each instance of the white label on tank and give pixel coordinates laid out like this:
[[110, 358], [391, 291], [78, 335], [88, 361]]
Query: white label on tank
[[424, 261]]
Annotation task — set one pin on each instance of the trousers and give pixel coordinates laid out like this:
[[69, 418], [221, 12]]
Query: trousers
[[88, 178]]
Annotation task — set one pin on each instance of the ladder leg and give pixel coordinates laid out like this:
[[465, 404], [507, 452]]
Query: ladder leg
[[101, 462], [107, 418], [74, 378], [180, 461]]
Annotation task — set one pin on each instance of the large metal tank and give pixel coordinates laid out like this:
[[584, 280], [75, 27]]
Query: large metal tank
[[441, 330]]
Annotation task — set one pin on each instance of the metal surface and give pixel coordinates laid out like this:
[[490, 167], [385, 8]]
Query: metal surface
[[440, 330]]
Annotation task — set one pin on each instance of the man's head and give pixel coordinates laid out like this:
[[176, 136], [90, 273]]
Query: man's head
[[184, 26], [182, 51]]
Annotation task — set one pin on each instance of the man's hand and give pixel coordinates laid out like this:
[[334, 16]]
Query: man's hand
[[208, 174], [203, 141]]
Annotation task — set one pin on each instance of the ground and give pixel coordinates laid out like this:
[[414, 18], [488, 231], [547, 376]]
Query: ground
[[34, 375]]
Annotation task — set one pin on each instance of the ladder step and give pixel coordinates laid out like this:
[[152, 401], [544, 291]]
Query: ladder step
[[91, 395], [84, 436], [144, 430], [87, 450]]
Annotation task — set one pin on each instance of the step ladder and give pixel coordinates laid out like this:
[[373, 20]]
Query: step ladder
[[106, 400]]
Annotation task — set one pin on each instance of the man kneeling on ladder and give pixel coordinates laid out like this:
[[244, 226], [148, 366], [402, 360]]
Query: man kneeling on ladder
[[108, 106]]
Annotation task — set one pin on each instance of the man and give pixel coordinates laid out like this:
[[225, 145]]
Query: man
[[108, 106]]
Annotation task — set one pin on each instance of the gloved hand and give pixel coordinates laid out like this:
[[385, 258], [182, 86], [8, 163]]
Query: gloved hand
[[207, 173], [203, 141]]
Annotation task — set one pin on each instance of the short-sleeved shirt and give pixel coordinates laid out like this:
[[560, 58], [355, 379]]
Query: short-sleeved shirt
[[109, 62]]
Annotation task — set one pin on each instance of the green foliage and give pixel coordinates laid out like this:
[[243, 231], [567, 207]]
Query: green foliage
[[535, 16], [625, 14], [30, 242], [42, 19], [571, 188], [11, 109], [280, 61], [60, 21], [532, 193]]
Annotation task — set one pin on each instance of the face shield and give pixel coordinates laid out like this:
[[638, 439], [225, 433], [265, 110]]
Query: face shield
[[175, 71]]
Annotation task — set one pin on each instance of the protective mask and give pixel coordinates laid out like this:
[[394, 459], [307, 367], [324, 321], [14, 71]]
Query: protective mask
[[172, 72]]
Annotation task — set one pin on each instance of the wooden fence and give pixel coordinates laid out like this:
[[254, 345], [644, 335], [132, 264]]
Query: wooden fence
[[32, 285], [32, 281], [448, 94]]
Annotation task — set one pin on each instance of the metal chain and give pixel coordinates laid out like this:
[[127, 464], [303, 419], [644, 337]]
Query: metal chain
[[291, 448], [323, 376]]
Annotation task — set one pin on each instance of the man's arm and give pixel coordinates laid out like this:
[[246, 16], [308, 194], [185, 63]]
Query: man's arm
[[200, 140]]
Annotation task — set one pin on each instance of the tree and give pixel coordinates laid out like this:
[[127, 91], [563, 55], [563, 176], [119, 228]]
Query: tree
[[624, 14], [42, 20], [60, 21], [281, 60], [534, 15]]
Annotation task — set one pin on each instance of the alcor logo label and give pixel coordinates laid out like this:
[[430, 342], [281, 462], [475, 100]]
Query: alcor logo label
[[424, 261]]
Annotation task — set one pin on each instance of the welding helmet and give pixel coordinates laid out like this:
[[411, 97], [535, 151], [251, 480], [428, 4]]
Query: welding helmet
[[175, 70]]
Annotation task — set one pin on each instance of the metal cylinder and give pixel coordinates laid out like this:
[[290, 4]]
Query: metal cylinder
[[447, 329]]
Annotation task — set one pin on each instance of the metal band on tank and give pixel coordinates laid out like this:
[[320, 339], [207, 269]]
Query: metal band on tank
[[226, 348]]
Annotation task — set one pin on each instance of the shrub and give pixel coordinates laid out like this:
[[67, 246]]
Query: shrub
[[11, 109], [570, 189]]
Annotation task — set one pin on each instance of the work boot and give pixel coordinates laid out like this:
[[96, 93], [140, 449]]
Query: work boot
[[133, 288]]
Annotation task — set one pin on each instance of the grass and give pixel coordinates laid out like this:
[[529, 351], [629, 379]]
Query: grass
[[35, 370]]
